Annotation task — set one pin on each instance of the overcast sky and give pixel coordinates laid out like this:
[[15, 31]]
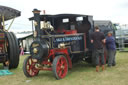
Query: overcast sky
[[114, 10]]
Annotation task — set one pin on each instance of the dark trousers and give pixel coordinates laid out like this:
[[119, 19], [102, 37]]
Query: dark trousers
[[111, 57], [99, 54]]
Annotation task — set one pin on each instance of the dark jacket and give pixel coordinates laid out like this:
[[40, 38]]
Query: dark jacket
[[110, 43], [97, 38]]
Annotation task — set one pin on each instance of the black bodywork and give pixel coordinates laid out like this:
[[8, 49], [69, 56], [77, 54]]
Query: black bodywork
[[78, 43]]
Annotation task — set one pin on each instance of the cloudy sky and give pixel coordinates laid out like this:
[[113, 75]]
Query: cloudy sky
[[114, 10]]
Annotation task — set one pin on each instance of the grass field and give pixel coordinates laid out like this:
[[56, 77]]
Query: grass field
[[80, 74]]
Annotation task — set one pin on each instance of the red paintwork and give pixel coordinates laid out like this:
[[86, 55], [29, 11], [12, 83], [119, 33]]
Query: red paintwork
[[2, 41], [70, 31], [1, 47], [62, 30], [31, 69], [65, 52], [46, 62], [66, 31], [62, 67], [61, 51]]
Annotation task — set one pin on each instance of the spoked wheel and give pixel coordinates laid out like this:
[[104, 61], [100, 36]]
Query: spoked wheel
[[29, 67], [60, 67]]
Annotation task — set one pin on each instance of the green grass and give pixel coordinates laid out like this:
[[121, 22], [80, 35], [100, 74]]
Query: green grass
[[125, 49], [81, 74]]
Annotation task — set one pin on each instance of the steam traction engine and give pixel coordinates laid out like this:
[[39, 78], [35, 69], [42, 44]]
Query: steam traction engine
[[59, 41], [9, 48]]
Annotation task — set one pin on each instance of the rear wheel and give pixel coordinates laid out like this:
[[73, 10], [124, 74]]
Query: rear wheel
[[60, 67], [13, 50], [29, 67], [16, 50]]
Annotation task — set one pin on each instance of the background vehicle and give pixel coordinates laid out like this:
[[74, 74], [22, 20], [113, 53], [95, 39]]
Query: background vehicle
[[105, 26], [9, 49], [121, 38]]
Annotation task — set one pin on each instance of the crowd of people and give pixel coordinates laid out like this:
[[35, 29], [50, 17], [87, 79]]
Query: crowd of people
[[99, 41]]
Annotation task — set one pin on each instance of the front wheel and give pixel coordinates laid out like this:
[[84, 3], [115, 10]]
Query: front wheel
[[29, 67], [60, 67]]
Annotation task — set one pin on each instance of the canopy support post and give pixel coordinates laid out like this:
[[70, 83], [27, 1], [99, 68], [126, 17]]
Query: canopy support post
[[11, 24], [3, 22]]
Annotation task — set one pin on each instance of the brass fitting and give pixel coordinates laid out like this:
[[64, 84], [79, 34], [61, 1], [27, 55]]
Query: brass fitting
[[34, 60], [61, 45], [35, 34], [35, 50], [35, 23]]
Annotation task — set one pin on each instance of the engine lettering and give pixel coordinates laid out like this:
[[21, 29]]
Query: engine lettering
[[35, 45], [65, 39]]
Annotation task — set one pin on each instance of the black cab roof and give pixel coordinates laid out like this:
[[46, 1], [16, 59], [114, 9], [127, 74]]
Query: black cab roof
[[49, 17]]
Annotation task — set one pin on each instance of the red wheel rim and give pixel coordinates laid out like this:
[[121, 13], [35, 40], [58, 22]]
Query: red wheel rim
[[62, 67], [31, 69]]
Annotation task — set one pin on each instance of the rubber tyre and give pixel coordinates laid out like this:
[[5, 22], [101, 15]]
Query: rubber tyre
[[13, 50], [26, 73], [10, 50], [55, 67], [16, 50]]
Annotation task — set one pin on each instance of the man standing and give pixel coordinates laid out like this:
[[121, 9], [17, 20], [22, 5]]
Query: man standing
[[111, 49], [98, 39]]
